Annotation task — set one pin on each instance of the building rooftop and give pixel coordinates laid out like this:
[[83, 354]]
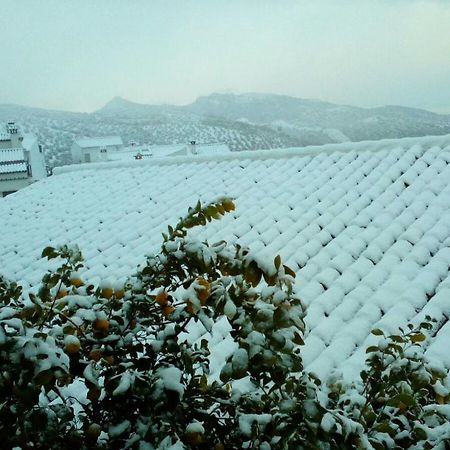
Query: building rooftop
[[14, 168], [161, 151], [366, 227], [99, 141], [8, 155]]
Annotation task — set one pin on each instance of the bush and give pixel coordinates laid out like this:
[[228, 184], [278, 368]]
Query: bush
[[123, 367]]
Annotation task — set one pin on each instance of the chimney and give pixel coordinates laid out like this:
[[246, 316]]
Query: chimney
[[14, 135], [192, 148]]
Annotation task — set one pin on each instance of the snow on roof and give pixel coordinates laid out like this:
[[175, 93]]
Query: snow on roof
[[5, 136], [128, 155], [99, 141], [366, 226], [161, 151], [209, 149], [20, 167], [11, 155]]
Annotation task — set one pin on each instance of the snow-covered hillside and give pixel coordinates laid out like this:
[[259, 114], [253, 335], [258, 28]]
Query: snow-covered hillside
[[243, 122]]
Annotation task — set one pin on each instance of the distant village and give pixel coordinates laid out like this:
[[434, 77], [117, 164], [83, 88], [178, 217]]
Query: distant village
[[22, 159]]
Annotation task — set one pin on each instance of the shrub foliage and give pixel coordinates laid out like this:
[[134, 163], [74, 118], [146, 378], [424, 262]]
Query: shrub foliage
[[86, 366]]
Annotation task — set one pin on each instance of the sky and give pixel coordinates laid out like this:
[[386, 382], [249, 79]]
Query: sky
[[78, 54]]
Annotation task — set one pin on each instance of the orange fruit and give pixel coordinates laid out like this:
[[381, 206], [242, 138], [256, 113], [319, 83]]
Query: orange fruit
[[72, 345], [93, 432], [61, 293], [167, 310], [107, 292], [162, 298], [194, 438], [95, 354], [100, 325], [77, 282], [189, 307], [72, 348], [119, 293], [203, 293]]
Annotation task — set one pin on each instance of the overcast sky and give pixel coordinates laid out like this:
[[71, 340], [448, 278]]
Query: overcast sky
[[77, 55]]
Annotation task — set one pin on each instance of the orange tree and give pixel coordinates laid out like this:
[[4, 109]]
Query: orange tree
[[97, 367]]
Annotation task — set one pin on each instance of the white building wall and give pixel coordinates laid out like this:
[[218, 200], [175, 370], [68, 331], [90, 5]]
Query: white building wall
[[36, 158], [92, 154], [12, 185], [75, 151]]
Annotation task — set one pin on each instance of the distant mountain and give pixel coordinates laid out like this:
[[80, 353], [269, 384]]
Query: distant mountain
[[298, 117], [299, 114], [119, 105], [258, 108], [244, 122]]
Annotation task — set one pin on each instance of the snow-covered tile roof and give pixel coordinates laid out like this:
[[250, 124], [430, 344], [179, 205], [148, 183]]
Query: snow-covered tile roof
[[19, 167], [99, 141], [11, 154], [166, 150], [4, 136], [366, 226], [210, 149]]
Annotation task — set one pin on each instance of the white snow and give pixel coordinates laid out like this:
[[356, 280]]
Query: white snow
[[246, 421], [171, 379], [195, 427], [364, 225]]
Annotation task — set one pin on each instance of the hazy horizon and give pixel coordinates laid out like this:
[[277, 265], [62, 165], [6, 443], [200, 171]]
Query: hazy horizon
[[444, 111], [76, 56]]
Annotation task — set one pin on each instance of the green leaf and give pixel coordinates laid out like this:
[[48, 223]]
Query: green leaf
[[397, 338], [253, 274], [402, 398], [298, 339], [418, 337], [377, 332], [289, 271], [384, 427], [43, 378], [420, 434], [277, 262], [49, 252], [372, 349], [377, 445]]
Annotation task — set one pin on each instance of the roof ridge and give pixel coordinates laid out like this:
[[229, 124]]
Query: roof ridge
[[278, 153]]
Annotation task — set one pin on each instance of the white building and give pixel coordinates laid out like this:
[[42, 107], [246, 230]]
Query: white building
[[95, 149], [195, 148], [22, 160], [138, 152]]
